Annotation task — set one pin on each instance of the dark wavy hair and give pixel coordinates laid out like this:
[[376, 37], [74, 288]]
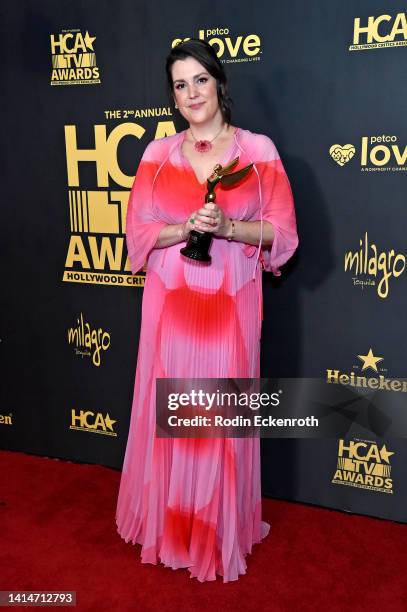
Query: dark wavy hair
[[205, 54]]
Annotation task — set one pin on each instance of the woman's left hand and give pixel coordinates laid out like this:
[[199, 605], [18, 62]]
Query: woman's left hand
[[213, 220]]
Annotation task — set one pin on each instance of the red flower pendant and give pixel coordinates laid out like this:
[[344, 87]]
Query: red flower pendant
[[203, 146]]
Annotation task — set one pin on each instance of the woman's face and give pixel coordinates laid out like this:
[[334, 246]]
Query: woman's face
[[194, 91]]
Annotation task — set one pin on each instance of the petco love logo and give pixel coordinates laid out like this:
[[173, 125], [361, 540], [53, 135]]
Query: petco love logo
[[229, 48], [378, 153]]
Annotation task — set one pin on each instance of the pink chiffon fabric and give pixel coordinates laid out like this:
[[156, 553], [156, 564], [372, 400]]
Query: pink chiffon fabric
[[196, 503]]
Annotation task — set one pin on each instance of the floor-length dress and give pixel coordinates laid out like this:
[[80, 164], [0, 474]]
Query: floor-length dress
[[196, 503]]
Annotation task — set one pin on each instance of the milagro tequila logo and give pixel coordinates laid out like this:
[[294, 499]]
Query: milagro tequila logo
[[230, 48], [96, 253], [88, 342], [73, 58], [379, 32], [379, 153], [371, 267], [364, 464]]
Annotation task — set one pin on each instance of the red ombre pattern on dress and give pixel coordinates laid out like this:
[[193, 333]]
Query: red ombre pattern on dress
[[196, 503]]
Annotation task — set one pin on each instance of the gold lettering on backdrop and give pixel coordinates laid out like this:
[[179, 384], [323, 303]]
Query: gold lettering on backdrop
[[109, 253], [93, 339], [228, 46], [73, 59], [103, 278], [381, 383], [379, 32], [99, 257], [365, 465], [152, 112], [6, 419], [104, 153], [380, 154], [76, 253], [93, 422], [98, 217], [164, 128], [367, 260], [369, 362], [138, 113]]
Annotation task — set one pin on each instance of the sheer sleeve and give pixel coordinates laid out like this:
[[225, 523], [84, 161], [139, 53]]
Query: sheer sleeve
[[142, 224], [277, 208]]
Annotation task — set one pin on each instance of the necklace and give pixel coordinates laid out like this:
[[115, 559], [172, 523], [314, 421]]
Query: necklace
[[203, 146]]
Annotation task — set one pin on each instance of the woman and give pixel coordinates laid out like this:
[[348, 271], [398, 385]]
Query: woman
[[196, 503]]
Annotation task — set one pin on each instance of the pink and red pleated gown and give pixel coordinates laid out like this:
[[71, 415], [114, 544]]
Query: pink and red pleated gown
[[196, 503]]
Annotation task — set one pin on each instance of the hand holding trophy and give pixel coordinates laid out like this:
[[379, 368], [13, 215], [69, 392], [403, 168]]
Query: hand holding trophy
[[199, 243]]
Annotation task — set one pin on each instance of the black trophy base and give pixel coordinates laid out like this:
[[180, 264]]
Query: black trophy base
[[197, 246]]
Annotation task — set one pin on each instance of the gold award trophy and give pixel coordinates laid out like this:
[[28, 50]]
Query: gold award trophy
[[199, 243]]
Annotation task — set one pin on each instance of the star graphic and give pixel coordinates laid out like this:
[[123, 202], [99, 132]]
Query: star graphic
[[370, 361], [89, 40], [109, 422], [385, 454]]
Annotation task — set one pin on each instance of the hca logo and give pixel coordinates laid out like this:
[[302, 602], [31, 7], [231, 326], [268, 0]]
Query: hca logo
[[73, 59], [93, 422], [365, 465], [96, 252], [382, 31]]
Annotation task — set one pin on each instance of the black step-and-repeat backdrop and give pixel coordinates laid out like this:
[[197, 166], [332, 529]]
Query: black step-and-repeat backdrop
[[83, 93]]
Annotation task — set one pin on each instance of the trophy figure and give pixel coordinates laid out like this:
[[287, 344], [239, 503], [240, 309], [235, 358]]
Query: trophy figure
[[199, 243]]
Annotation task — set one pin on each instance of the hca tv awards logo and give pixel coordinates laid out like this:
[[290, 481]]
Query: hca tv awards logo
[[371, 267], [379, 32], [364, 464], [230, 48], [93, 422], [73, 59], [381, 153], [97, 251], [88, 342]]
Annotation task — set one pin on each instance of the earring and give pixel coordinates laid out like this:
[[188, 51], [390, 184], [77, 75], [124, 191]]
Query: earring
[[176, 105]]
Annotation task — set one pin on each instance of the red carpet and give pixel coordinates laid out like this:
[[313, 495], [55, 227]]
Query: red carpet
[[58, 533]]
